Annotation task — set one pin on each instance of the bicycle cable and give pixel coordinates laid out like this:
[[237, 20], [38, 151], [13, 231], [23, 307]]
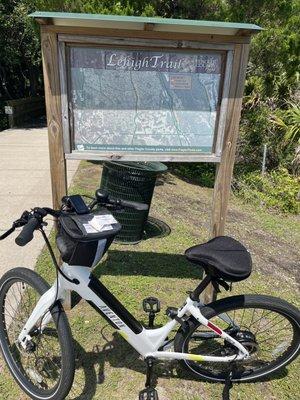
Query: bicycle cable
[[75, 281]]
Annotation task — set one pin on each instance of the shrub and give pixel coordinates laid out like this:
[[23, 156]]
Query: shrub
[[276, 190], [202, 174]]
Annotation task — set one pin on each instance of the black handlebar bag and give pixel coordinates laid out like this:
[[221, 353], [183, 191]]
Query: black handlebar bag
[[79, 243]]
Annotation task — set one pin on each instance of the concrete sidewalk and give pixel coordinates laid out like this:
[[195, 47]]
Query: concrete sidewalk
[[24, 183]]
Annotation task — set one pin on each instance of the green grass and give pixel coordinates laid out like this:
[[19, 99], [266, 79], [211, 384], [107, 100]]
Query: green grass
[[157, 267]]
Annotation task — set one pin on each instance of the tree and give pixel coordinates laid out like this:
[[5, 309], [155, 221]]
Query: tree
[[271, 83], [20, 72], [288, 122]]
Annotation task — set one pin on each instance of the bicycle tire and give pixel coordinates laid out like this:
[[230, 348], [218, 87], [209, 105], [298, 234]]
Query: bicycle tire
[[234, 303], [67, 363]]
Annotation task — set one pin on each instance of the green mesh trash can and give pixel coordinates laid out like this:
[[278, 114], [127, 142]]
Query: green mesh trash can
[[133, 181]]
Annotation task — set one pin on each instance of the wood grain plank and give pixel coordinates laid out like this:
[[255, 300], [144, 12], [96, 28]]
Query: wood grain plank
[[145, 42], [54, 118], [148, 34], [54, 121], [64, 96], [108, 156], [224, 104], [225, 168]]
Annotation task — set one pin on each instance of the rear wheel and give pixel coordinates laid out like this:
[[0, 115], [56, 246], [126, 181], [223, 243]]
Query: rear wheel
[[45, 370], [268, 327]]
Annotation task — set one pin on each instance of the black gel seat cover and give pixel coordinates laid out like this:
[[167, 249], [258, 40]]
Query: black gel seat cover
[[222, 257]]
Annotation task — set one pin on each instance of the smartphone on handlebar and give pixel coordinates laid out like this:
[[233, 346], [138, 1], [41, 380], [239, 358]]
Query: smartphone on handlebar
[[77, 203]]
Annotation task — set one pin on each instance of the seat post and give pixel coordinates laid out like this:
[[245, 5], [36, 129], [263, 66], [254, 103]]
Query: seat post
[[199, 289]]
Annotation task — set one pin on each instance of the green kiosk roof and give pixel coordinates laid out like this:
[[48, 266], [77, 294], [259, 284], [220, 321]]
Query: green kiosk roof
[[144, 23]]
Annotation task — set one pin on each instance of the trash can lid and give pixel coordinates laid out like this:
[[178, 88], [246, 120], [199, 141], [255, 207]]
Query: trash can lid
[[150, 166]]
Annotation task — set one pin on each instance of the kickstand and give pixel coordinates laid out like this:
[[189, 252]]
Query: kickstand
[[149, 393], [228, 383]]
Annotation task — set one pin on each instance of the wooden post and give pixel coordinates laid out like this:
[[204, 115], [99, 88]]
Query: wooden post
[[54, 119], [224, 169]]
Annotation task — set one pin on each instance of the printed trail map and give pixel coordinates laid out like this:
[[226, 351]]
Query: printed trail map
[[144, 101]]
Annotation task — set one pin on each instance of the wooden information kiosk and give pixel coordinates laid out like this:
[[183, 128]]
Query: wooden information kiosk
[[141, 89]]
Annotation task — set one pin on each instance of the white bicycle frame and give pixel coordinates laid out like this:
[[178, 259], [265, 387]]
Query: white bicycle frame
[[147, 342]]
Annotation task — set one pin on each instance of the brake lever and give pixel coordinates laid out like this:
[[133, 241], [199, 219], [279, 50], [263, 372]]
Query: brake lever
[[37, 212], [92, 204], [20, 222], [115, 207], [24, 217], [16, 224], [40, 211], [119, 209]]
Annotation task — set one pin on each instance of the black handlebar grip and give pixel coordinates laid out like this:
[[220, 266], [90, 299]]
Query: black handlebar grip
[[134, 204], [26, 234]]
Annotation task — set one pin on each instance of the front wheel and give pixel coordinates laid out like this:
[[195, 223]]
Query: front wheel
[[45, 369], [268, 327]]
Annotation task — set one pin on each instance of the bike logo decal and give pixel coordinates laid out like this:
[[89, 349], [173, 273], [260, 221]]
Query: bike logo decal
[[112, 316], [214, 328]]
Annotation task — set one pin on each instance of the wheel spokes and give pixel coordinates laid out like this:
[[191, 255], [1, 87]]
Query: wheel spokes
[[42, 365], [271, 332]]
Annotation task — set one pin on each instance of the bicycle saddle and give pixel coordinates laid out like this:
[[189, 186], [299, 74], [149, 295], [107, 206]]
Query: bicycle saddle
[[222, 257]]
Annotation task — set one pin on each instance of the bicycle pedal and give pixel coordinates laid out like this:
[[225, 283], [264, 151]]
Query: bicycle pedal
[[148, 394], [151, 305]]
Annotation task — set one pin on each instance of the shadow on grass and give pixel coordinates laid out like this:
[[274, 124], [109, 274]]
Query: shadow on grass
[[119, 354], [134, 263], [148, 264], [116, 352]]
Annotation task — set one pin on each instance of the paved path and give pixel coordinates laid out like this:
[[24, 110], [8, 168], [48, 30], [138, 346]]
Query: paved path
[[24, 183]]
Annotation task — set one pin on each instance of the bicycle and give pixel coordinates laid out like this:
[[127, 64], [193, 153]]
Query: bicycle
[[240, 338]]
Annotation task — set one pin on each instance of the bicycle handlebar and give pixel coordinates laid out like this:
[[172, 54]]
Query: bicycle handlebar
[[9, 232], [26, 234], [130, 204], [30, 221], [102, 197]]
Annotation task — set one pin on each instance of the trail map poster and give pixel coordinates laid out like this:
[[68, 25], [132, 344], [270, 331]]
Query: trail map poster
[[144, 101]]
